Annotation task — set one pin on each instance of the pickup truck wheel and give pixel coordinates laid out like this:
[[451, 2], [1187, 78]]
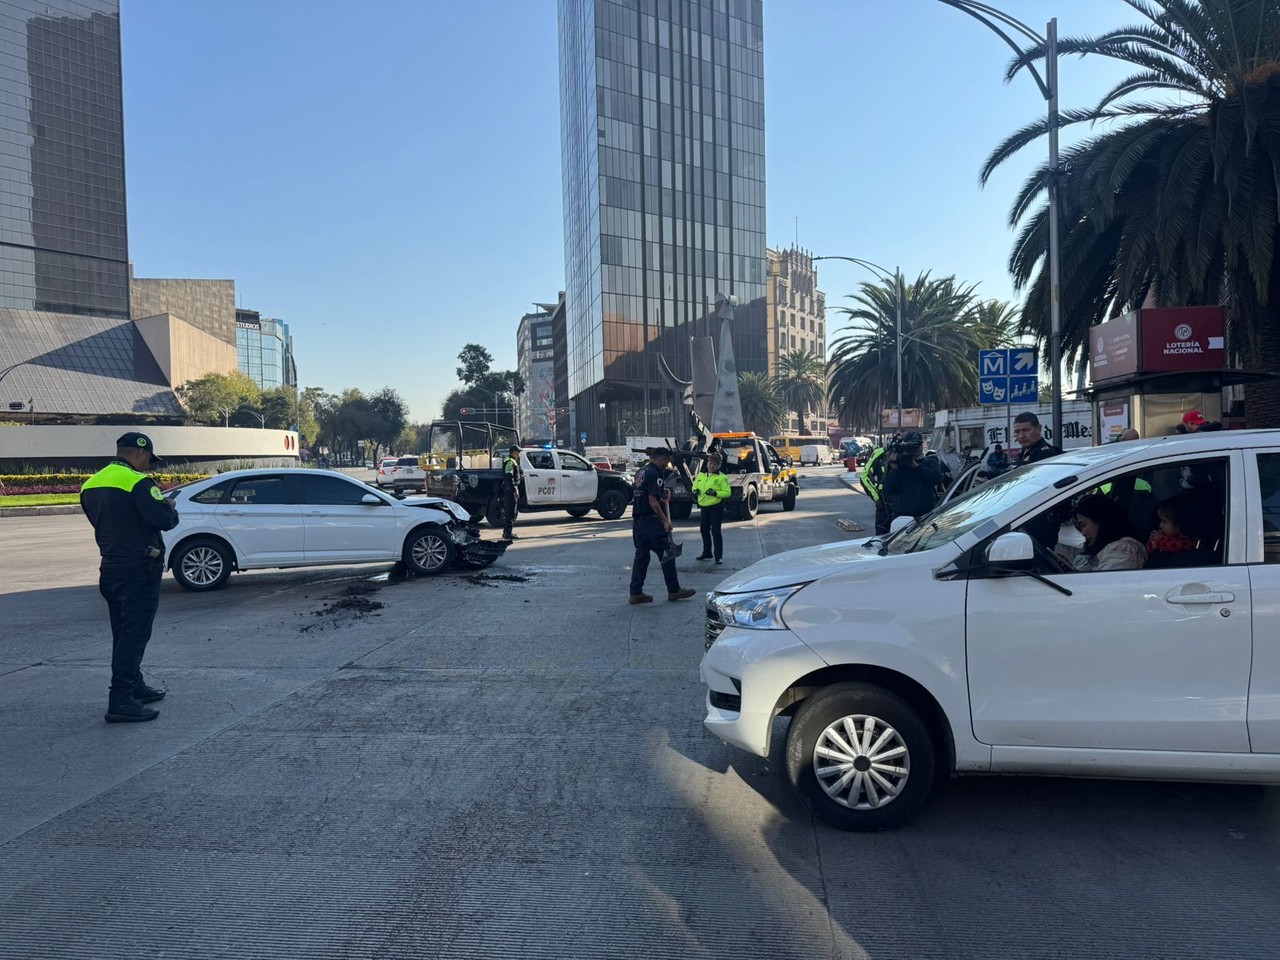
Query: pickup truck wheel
[[681, 510], [860, 757], [201, 564], [749, 504], [577, 511], [493, 513], [429, 551], [789, 499], [611, 505]]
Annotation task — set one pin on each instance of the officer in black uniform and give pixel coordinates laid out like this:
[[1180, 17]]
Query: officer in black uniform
[[651, 528], [912, 479], [128, 512], [510, 491], [1030, 436]]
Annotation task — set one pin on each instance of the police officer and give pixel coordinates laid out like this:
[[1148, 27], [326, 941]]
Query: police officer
[[1030, 436], [651, 528], [911, 482], [711, 487], [128, 512], [872, 481], [510, 491]]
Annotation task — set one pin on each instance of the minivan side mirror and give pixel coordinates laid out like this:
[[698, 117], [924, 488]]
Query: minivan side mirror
[[900, 523], [1011, 551]]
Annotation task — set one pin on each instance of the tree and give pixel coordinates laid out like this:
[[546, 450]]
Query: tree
[[392, 414], [763, 406], [483, 387], [1178, 200], [474, 363], [215, 397], [942, 330], [802, 380]]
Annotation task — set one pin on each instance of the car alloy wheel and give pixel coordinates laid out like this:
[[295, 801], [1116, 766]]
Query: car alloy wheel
[[861, 762], [202, 565], [430, 552]]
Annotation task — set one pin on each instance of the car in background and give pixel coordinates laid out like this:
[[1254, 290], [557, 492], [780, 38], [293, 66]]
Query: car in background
[[382, 479], [296, 517], [407, 473], [604, 464]]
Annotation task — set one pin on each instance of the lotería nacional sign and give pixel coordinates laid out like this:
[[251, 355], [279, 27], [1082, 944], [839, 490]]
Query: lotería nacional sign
[[1158, 341]]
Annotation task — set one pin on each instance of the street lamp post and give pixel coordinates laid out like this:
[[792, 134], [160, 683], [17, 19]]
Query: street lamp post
[[996, 21], [884, 274]]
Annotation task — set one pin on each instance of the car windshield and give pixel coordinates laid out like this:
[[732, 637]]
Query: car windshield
[[979, 505]]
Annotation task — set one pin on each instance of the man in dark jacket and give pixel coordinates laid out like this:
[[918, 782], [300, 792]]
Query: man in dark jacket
[[651, 529], [1030, 436], [128, 512], [912, 480]]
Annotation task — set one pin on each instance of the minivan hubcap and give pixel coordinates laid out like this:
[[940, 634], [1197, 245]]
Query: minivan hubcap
[[202, 566], [429, 552], [861, 762]]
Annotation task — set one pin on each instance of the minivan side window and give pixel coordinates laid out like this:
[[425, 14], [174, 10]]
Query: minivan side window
[[1269, 478], [1177, 512]]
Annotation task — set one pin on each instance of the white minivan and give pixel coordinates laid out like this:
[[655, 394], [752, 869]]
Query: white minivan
[[964, 643]]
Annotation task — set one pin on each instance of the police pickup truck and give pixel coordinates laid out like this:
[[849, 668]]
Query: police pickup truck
[[553, 480]]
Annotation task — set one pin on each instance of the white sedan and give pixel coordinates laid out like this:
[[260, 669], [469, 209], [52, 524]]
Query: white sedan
[[270, 518]]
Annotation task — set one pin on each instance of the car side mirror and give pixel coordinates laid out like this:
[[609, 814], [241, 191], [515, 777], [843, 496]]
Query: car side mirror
[[372, 500], [1011, 552], [900, 523]]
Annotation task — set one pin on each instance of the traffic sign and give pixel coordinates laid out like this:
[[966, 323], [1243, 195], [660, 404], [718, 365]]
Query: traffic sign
[[1008, 376]]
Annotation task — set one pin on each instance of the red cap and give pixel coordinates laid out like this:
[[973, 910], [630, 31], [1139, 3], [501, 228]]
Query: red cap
[[1194, 418]]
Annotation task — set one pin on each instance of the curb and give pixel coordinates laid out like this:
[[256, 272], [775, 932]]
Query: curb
[[62, 510]]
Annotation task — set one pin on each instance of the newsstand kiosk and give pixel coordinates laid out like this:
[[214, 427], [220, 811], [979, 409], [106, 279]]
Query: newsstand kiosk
[[1151, 366]]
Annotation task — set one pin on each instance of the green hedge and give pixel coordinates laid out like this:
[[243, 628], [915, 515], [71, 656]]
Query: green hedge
[[29, 483]]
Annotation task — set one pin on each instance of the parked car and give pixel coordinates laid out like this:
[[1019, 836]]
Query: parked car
[[603, 464], [407, 473], [382, 480], [962, 644], [265, 518]]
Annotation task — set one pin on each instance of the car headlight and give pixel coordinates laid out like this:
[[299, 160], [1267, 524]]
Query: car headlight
[[759, 610]]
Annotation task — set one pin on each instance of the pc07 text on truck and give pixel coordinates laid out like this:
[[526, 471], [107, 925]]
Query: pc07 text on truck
[[553, 480]]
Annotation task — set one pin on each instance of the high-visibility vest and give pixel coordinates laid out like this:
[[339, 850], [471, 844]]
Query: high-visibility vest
[[872, 475]]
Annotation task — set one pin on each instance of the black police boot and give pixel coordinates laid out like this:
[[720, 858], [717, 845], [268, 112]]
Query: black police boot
[[130, 711], [145, 694]]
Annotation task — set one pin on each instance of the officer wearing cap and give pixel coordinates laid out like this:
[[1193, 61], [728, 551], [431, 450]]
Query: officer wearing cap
[[128, 512], [651, 529], [510, 490]]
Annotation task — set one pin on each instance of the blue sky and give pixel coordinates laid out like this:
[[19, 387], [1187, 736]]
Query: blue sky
[[386, 177]]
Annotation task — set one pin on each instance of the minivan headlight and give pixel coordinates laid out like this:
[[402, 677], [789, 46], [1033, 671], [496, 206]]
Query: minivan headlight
[[758, 610]]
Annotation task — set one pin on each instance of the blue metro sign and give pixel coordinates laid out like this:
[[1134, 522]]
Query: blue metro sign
[[1008, 376]]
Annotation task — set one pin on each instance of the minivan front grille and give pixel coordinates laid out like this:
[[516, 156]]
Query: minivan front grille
[[715, 626]]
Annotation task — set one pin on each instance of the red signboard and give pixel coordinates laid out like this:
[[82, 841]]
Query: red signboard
[[1113, 348], [1183, 338], [1157, 341]]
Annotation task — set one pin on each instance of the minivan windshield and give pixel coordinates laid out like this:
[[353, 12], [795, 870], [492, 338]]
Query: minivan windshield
[[983, 503]]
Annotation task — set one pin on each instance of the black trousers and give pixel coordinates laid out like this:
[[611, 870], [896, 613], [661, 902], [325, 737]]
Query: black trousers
[[712, 520], [884, 517], [650, 536], [132, 592], [509, 509]]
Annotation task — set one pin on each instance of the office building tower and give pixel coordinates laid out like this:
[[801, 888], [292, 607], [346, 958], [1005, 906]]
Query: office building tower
[[535, 362], [662, 154], [264, 350]]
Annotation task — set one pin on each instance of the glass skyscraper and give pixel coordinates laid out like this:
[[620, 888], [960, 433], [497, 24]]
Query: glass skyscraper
[[662, 154], [63, 237], [264, 350]]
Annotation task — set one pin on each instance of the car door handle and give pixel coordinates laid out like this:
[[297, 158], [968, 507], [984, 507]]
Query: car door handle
[[315, 513], [1201, 598], [235, 513]]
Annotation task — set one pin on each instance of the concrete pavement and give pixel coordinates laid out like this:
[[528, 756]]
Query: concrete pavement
[[488, 767]]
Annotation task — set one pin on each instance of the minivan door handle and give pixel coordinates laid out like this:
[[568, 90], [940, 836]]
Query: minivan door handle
[[1201, 598]]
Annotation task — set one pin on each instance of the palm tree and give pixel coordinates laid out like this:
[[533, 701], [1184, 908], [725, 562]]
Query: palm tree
[[943, 327], [763, 406], [1179, 199], [802, 378]]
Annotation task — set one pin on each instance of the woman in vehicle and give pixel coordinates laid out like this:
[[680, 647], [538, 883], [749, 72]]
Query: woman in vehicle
[[1110, 542]]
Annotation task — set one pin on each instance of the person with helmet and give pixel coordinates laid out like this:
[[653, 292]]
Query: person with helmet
[[911, 481], [872, 480], [509, 492], [128, 513]]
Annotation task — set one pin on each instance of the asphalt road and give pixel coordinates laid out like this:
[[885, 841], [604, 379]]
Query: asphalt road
[[489, 767]]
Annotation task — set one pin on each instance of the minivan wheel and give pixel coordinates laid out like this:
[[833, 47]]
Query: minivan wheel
[[201, 565], [860, 757], [429, 551]]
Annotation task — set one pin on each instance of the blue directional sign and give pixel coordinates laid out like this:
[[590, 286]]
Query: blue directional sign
[[1008, 376]]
